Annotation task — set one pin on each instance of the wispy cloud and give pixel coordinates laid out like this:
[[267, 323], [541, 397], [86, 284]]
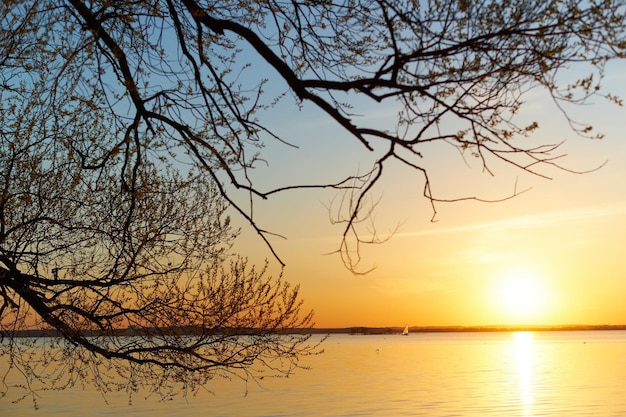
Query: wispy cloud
[[543, 220]]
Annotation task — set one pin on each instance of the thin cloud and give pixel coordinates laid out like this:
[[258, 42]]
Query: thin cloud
[[542, 220]]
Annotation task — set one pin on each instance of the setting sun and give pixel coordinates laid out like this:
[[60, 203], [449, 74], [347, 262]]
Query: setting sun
[[520, 294]]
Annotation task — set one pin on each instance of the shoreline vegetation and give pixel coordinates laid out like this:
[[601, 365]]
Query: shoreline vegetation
[[358, 330], [469, 329]]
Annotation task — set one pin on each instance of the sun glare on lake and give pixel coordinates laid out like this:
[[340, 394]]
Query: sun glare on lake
[[521, 295]]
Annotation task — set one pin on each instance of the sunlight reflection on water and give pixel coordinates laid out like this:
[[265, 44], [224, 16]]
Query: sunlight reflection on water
[[524, 351]]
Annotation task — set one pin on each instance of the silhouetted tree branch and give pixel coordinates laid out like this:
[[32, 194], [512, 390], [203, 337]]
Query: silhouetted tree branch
[[457, 70], [123, 254]]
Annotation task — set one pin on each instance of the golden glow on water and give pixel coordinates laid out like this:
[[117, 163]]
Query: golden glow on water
[[523, 346], [491, 374]]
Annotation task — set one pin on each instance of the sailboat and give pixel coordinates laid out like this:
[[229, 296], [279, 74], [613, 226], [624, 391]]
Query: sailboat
[[405, 332]]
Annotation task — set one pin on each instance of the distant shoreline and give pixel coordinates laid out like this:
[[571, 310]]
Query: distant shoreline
[[467, 329], [355, 330]]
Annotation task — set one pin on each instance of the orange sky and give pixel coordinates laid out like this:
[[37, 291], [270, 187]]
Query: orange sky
[[553, 255]]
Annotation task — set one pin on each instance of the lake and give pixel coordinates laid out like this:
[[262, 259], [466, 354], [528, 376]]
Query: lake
[[564, 373]]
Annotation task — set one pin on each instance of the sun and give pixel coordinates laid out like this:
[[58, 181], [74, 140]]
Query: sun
[[521, 295]]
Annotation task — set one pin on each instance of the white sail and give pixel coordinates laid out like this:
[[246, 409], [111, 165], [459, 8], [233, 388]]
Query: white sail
[[405, 332]]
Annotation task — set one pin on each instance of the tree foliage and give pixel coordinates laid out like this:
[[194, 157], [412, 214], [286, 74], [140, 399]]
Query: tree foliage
[[122, 254], [129, 127]]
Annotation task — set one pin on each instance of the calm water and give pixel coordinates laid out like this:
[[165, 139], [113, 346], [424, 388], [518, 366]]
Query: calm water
[[427, 374]]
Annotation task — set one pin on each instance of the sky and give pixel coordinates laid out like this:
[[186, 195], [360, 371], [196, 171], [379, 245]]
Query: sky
[[550, 256]]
